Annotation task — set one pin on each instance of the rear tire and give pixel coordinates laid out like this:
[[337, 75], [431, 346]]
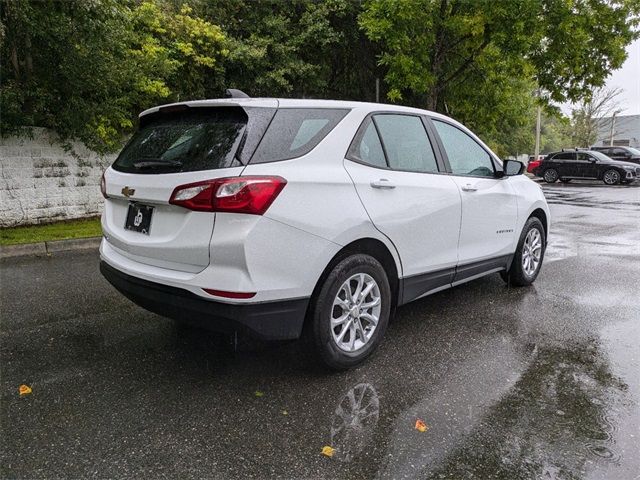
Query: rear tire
[[550, 175], [611, 177], [345, 344], [529, 255]]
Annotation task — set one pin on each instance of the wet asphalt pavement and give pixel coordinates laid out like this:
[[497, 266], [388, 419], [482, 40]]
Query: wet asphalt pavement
[[540, 382]]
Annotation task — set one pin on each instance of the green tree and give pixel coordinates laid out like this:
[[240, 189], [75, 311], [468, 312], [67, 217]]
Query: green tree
[[594, 113], [85, 69], [555, 132], [481, 60], [295, 48]]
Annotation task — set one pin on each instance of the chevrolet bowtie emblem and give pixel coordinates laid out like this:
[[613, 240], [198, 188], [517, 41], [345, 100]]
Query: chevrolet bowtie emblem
[[128, 192]]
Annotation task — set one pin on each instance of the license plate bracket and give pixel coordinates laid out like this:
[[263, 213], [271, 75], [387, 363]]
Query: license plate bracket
[[139, 218]]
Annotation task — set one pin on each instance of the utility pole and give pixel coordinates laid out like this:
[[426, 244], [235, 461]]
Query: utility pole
[[537, 149], [377, 90], [613, 125]]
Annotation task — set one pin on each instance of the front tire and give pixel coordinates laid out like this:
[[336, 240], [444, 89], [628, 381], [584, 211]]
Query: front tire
[[350, 313], [529, 255], [611, 177], [550, 175]]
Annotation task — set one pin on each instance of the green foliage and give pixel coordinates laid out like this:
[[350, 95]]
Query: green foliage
[[481, 60], [86, 69], [292, 48], [555, 132]]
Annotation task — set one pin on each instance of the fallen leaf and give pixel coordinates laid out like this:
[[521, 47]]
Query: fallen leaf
[[421, 426], [284, 412], [24, 390], [328, 451], [259, 393]]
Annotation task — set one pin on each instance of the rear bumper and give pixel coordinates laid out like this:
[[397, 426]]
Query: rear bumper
[[277, 320]]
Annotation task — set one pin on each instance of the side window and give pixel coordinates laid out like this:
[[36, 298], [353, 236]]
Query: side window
[[584, 157], [406, 143], [366, 147], [466, 156], [564, 156], [619, 152], [294, 132]]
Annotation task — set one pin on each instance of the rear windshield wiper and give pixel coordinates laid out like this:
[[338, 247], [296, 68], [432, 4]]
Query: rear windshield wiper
[[157, 164]]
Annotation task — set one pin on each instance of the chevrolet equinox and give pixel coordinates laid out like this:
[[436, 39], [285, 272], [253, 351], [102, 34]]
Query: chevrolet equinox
[[278, 216]]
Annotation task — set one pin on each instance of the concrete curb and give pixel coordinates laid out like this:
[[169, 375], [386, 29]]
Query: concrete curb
[[46, 248]]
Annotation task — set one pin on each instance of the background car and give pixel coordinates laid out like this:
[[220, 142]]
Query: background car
[[534, 163], [623, 154], [585, 164]]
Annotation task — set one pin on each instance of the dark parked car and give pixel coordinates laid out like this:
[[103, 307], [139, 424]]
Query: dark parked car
[[623, 154], [568, 165]]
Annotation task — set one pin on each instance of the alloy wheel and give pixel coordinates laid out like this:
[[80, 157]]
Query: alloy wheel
[[550, 176], [531, 252], [355, 312], [611, 177]]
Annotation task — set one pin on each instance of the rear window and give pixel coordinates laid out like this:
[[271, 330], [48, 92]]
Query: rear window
[[295, 132], [192, 139]]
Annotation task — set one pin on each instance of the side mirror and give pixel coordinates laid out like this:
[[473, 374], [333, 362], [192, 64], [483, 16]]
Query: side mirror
[[593, 160], [512, 167]]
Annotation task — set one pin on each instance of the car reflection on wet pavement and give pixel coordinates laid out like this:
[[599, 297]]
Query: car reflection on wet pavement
[[541, 382]]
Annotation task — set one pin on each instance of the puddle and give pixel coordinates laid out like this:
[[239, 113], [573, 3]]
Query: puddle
[[561, 416]]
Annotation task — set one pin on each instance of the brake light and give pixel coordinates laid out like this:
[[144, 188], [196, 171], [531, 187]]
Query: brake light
[[103, 186], [251, 194]]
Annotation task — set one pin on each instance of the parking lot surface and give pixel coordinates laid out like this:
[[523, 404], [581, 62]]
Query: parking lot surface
[[513, 383]]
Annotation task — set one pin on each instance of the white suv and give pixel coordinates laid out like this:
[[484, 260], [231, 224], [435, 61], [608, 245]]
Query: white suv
[[274, 216]]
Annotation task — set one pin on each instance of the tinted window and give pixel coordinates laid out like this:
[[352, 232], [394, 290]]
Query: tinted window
[[185, 141], [564, 156], [296, 131], [466, 156], [406, 143], [366, 147], [619, 152], [585, 156], [600, 156]]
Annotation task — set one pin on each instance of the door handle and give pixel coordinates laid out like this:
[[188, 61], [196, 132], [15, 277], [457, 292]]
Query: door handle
[[382, 183], [469, 188]]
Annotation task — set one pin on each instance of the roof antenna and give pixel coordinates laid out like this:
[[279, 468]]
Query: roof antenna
[[235, 93]]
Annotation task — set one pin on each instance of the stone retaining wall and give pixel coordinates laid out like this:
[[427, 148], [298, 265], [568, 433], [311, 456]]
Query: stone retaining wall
[[41, 181]]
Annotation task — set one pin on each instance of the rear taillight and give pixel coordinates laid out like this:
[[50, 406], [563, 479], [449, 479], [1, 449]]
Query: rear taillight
[[250, 194], [103, 186]]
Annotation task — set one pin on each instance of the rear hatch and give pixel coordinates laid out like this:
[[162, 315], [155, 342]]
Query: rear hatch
[[175, 146]]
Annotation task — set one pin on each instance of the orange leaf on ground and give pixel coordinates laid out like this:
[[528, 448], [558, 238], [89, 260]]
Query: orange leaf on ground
[[328, 451], [421, 426], [24, 390]]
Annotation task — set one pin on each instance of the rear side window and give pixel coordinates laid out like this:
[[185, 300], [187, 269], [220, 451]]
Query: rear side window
[[187, 140], [406, 143], [295, 132], [367, 148], [564, 156]]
